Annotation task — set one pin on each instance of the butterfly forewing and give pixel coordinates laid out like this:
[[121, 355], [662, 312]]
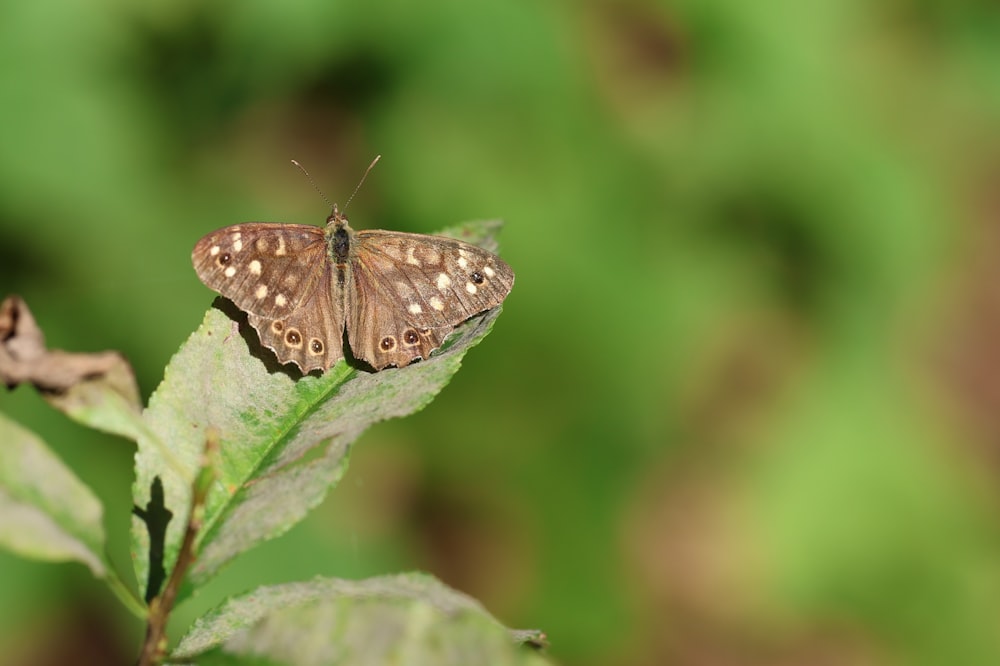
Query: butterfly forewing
[[265, 269], [437, 281], [410, 290]]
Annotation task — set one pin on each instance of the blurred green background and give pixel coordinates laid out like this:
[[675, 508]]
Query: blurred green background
[[743, 404]]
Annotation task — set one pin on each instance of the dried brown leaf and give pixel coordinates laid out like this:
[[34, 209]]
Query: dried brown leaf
[[96, 389]]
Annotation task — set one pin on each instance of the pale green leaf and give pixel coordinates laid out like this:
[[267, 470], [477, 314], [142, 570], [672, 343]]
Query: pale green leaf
[[404, 619], [283, 438], [109, 402], [46, 512]]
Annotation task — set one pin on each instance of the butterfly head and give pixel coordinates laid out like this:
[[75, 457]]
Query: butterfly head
[[338, 235], [336, 220]]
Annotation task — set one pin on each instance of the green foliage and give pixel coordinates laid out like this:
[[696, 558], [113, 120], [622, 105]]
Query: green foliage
[[283, 440], [746, 380], [47, 513], [390, 619], [234, 450]]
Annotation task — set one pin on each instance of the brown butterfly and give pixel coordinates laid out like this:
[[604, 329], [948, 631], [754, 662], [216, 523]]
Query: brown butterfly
[[397, 295]]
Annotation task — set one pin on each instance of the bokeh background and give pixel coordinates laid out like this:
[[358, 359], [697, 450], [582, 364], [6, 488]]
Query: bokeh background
[[743, 404]]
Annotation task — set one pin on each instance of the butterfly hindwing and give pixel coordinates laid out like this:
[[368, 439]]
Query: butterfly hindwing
[[311, 336], [382, 336]]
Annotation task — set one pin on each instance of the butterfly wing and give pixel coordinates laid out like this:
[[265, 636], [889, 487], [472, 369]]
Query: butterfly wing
[[265, 269], [311, 336], [410, 291], [280, 275]]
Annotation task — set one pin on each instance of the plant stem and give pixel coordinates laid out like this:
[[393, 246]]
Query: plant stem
[[126, 596], [154, 647]]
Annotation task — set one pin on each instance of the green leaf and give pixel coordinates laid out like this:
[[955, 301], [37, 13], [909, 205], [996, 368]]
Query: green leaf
[[109, 402], [284, 438], [478, 232], [46, 512], [410, 618]]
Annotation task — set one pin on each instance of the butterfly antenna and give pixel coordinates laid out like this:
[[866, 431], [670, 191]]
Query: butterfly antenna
[[361, 182], [315, 186]]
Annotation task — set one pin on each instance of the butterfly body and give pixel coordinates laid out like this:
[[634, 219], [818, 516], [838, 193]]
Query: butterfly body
[[397, 295]]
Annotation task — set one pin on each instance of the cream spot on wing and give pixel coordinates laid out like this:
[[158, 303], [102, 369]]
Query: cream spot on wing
[[443, 281], [261, 291], [230, 272], [237, 245], [410, 258], [462, 253], [404, 289], [489, 271], [462, 261], [255, 267], [280, 300], [415, 308], [436, 303], [471, 288], [214, 251], [261, 245], [281, 247]]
